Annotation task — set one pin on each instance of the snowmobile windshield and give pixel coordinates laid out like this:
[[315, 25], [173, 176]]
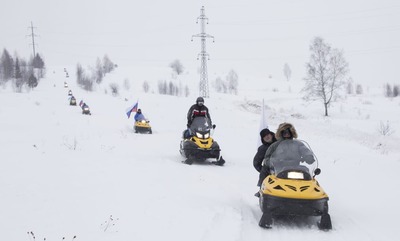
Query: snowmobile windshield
[[201, 124], [293, 155]]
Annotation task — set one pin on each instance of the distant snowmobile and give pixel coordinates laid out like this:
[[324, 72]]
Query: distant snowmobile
[[72, 101], [85, 109], [143, 127]]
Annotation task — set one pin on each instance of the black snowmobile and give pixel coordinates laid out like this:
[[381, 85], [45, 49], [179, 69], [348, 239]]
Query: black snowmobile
[[72, 101], [291, 189], [200, 146], [86, 110]]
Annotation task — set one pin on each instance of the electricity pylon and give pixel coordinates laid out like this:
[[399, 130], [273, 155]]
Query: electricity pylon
[[203, 53]]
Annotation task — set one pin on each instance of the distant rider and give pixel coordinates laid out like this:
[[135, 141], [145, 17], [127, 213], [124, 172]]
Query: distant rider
[[139, 116]]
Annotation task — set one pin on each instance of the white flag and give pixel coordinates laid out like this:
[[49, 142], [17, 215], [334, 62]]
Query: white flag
[[263, 123]]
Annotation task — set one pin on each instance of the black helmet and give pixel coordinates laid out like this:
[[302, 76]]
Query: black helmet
[[139, 111], [200, 101]]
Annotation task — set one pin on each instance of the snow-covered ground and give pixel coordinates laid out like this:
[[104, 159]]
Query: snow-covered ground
[[64, 174]]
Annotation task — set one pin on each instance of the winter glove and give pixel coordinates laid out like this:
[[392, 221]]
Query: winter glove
[[213, 126]]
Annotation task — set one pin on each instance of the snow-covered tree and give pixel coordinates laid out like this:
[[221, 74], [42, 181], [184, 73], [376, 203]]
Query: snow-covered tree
[[177, 66], [7, 66], [287, 72], [108, 65], [32, 81], [325, 73], [233, 82]]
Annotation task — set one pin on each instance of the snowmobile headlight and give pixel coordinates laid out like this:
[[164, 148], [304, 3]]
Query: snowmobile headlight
[[143, 121], [199, 135], [86, 109], [206, 135], [295, 175]]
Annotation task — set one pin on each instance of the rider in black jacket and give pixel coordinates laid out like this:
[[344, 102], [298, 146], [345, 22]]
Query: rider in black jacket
[[267, 138], [198, 109]]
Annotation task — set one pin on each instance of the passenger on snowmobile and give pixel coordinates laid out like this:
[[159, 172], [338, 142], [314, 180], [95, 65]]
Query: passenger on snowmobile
[[139, 116], [267, 138], [293, 150], [196, 110]]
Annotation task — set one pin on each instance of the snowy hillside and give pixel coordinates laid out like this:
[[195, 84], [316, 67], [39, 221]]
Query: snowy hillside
[[64, 174]]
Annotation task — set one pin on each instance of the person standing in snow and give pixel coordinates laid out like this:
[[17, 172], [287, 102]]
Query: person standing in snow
[[267, 138]]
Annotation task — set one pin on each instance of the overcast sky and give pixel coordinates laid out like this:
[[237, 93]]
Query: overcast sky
[[253, 37]]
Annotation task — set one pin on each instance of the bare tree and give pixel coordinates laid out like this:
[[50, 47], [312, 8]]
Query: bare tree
[[385, 129], [146, 86], [98, 71], [395, 91], [187, 91], [18, 80], [7, 65], [82, 79], [220, 85], [233, 82], [127, 84], [177, 66], [359, 89], [114, 89], [325, 73], [349, 87], [32, 81], [287, 71], [108, 65]]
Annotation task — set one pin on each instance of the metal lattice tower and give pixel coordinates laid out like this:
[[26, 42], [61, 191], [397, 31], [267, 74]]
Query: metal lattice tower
[[203, 54], [33, 39]]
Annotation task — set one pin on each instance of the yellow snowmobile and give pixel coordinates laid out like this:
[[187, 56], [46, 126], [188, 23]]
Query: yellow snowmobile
[[291, 189], [199, 145], [142, 126]]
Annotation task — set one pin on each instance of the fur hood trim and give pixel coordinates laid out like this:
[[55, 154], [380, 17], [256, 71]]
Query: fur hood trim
[[284, 126]]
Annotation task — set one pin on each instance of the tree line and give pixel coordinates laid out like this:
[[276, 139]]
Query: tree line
[[20, 72]]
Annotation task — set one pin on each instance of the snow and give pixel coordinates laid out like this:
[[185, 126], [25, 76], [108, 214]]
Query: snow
[[65, 174]]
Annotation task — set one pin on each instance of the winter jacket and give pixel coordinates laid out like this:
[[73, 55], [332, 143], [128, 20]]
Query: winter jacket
[[259, 157], [139, 117], [196, 110]]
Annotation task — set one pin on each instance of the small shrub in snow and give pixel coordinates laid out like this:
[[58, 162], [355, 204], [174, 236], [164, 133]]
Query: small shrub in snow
[[114, 89], [385, 129]]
